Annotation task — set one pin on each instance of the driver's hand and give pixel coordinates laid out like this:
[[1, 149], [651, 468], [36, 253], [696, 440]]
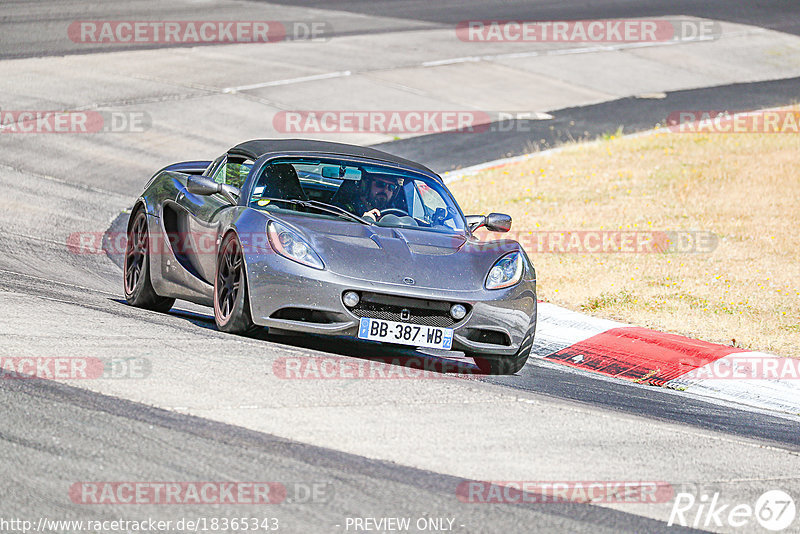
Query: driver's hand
[[373, 214]]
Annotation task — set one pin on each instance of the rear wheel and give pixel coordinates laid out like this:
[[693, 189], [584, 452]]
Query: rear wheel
[[231, 300], [136, 272]]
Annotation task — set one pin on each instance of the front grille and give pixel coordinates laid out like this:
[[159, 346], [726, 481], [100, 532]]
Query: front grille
[[390, 308]]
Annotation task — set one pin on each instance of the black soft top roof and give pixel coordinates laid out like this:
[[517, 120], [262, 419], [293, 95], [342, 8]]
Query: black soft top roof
[[259, 147]]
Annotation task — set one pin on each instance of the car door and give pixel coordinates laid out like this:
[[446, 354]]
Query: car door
[[201, 216]]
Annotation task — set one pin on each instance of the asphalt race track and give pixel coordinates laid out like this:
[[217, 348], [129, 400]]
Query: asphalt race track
[[209, 406]]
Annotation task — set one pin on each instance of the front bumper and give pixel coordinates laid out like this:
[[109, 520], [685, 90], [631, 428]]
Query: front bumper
[[278, 286]]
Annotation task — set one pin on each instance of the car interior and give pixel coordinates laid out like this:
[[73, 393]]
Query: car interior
[[415, 204]]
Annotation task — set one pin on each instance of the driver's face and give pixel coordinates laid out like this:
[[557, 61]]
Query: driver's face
[[380, 192]]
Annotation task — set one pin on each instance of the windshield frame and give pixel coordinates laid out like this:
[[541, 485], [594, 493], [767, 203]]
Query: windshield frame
[[262, 162]]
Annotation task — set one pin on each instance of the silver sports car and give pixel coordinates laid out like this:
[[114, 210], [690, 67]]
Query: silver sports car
[[332, 239]]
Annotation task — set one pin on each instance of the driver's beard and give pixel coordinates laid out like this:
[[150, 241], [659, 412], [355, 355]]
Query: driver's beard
[[380, 202]]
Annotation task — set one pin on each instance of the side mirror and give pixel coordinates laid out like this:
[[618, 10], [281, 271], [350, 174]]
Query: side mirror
[[201, 185], [494, 222], [498, 222]]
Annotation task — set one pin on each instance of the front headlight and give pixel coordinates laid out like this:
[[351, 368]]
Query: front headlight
[[506, 271], [290, 245]]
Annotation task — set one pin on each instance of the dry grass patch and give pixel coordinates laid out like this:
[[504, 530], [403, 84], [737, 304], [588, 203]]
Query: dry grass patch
[[744, 188]]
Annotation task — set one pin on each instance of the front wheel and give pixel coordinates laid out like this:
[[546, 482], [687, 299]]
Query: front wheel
[[506, 365], [501, 365], [136, 272], [231, 302]]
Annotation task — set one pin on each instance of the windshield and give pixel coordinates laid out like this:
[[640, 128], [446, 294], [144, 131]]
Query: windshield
[[373, 193]]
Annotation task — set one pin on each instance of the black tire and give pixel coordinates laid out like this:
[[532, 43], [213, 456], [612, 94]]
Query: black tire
[[136, 271], [505, 365], [231, 300]]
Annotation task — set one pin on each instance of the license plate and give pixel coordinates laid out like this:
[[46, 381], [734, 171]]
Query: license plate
[[405, 334]]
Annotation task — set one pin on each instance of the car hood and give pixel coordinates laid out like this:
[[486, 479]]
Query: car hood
[[390, 255]]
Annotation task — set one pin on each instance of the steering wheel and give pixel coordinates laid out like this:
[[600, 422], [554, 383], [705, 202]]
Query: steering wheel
[[394, 211]]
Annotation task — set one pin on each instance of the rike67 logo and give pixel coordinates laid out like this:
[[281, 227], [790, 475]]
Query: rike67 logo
[[774, 510]]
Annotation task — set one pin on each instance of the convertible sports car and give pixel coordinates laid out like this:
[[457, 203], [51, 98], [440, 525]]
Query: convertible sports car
[[333, 239]]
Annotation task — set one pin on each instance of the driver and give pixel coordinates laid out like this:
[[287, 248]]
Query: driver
[[375, 194]]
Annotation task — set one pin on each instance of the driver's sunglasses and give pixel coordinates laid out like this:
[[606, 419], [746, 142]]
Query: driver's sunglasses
[[386, 185]]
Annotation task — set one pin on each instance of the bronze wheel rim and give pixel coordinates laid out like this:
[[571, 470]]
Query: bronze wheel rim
[[229, 279], [135, 253]]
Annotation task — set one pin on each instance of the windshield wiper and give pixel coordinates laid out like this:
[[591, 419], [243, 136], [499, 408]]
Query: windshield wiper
[[321, 206], [338, 210]]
